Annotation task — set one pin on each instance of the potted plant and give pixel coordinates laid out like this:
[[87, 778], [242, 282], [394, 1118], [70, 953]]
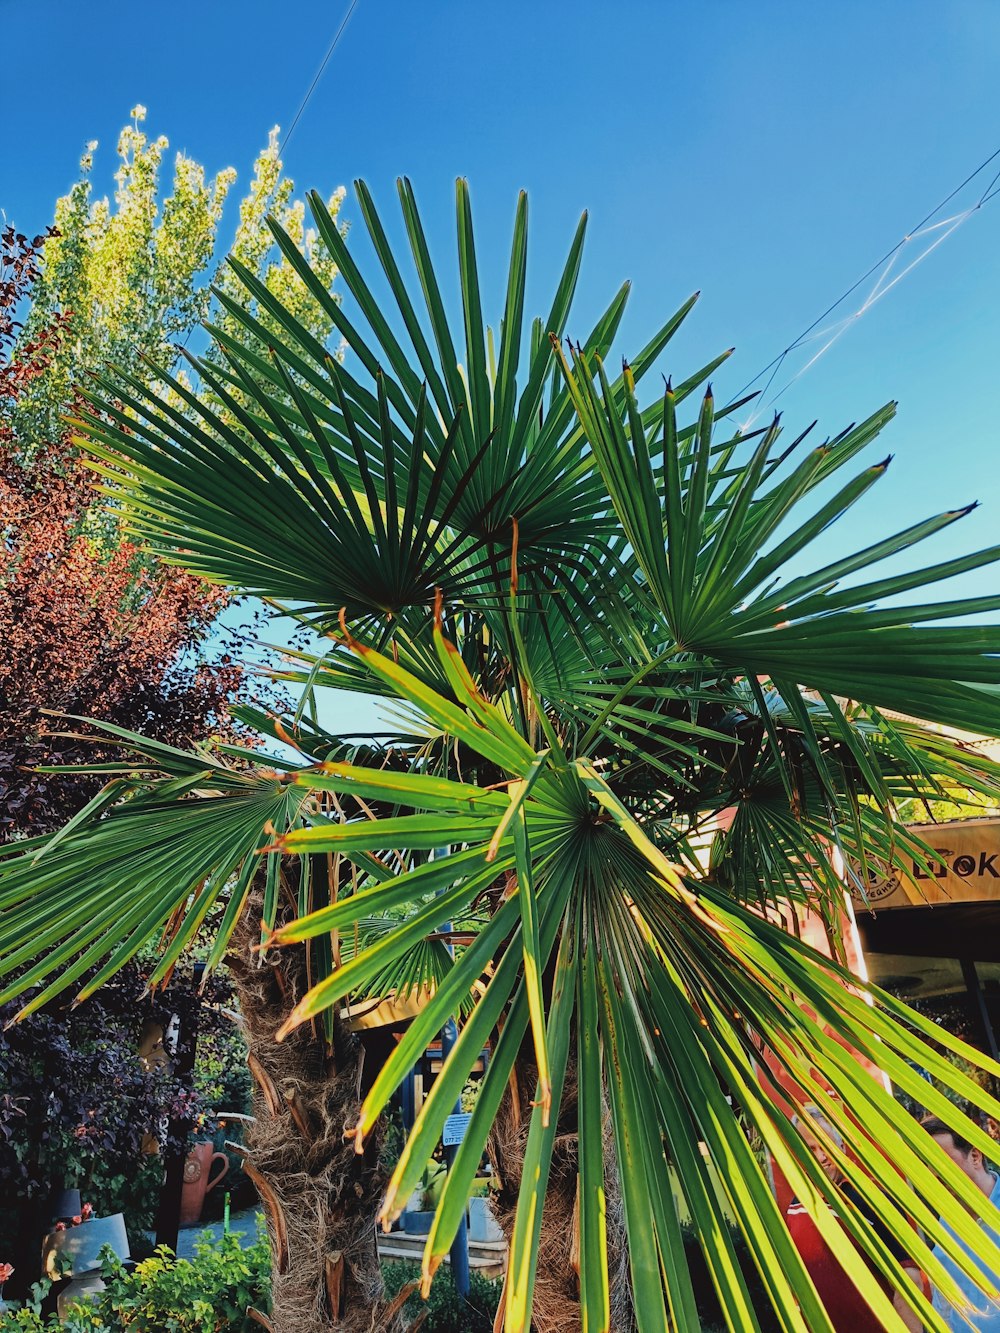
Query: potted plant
[[73, 1250], [417, 1221]]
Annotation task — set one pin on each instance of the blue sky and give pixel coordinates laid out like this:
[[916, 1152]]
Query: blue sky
[[766, 153]]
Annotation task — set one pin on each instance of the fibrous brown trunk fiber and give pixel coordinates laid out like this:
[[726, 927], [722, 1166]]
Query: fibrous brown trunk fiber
[[320, 1197], [557, 1285]]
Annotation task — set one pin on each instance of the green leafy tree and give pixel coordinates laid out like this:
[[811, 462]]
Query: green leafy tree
[[133, 275], [252, 255], [599, 617], [127, 272]]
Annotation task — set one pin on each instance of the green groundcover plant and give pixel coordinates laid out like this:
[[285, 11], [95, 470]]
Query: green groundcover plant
[[210, 1293], [445, 1311], [634, 716]]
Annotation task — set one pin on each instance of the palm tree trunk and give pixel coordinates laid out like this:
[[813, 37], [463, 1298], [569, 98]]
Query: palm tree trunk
[[320, 1197], [557, 1285]]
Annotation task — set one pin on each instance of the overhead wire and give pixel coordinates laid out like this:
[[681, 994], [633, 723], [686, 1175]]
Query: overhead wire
[[883, 267], [319, 73], [282, 143]]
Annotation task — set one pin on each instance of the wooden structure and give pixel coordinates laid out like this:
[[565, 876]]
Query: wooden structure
[[928, 935]]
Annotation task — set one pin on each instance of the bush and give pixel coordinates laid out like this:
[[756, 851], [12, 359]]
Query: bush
[[709, 1310], [26, 1316], [208, 1294], [447, 1312], [77, 1106], [221, 1076]]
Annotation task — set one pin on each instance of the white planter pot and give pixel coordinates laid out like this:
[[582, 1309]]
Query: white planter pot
[[78, 1249], [483, 1226]]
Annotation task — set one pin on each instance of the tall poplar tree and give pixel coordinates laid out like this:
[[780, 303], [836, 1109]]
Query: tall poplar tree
[[131, 276]]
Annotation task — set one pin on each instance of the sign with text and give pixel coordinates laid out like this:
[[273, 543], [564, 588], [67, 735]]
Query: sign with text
[[454, 1129], [966, 868]]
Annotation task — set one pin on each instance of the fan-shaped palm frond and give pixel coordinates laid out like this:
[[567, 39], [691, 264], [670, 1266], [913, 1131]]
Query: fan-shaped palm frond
[[654, 953], [643, 725]]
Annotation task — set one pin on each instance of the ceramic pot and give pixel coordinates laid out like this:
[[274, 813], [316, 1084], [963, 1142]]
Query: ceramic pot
[[78, 1249], [198, 1180], [77, 1292], [483, 1226]]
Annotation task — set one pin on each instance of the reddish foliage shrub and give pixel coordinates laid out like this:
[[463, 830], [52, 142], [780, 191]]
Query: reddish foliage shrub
[[86, 624], [19, 267]]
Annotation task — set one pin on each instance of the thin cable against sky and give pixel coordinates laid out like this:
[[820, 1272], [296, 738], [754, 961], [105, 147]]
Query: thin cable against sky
[[283, 143], [319, 73], [883, 267]]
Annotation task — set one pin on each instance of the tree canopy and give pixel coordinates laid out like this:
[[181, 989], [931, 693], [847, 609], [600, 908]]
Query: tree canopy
[[89, 624]]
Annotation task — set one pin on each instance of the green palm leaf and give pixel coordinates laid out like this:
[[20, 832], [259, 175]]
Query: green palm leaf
[[639, 724]]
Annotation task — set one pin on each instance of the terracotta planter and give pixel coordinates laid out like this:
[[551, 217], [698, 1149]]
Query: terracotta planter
[[198, 1180]]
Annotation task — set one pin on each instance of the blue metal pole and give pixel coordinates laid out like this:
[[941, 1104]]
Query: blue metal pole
[[408, 1102], [459, 1253], [408, 1108], [460, 1245]]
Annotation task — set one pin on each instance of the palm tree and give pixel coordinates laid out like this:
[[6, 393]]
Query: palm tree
[[633, 726]]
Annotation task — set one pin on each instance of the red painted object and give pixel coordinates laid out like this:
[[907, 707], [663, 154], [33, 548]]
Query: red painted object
[[198, 1180]]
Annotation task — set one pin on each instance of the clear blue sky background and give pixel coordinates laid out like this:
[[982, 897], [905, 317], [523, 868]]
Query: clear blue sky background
[[766, 152]]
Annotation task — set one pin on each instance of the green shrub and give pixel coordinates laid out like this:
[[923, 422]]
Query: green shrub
[[447, 1312], [27, 1315], [709, 1310], [208, 1294]]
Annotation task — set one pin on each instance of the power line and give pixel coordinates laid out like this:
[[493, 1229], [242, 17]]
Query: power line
[[319, 73], [282, 144], [882, 286]]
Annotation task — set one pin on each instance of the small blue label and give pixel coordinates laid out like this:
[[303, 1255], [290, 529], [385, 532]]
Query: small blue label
[[454, 1129]]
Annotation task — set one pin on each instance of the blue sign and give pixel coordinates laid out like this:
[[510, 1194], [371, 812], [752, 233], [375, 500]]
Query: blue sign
[[454, 1129]]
